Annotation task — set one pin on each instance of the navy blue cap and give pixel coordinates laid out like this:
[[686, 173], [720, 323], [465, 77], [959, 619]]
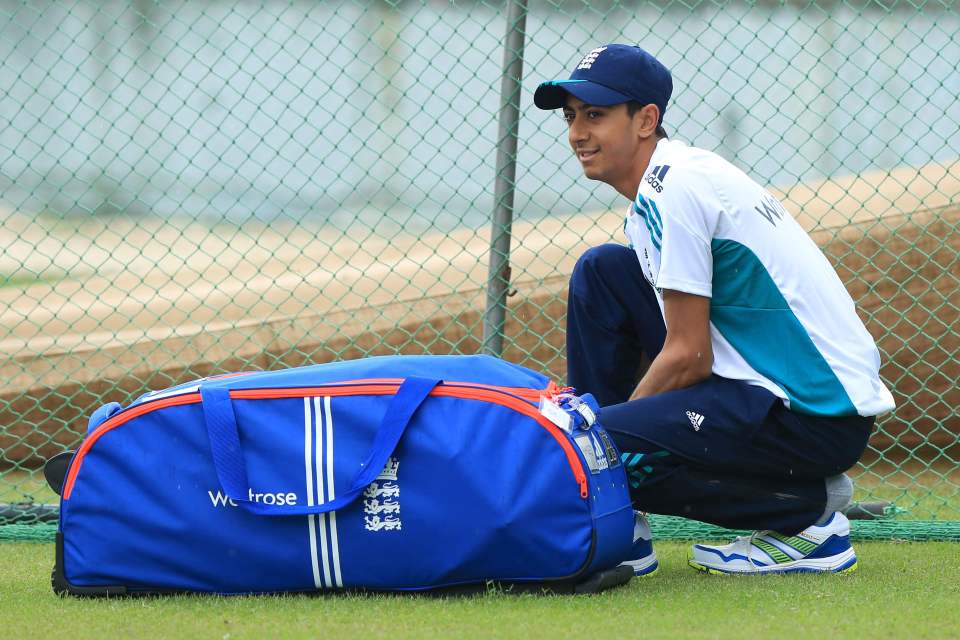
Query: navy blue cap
[[609, 75]]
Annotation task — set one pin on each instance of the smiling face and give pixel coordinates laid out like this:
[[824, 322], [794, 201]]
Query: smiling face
[[612, 145]]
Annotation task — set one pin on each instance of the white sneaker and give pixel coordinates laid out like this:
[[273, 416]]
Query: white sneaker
[[816, 549], [643, 560]]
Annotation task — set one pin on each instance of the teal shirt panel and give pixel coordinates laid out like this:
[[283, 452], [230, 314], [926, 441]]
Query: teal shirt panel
[[749, 311]]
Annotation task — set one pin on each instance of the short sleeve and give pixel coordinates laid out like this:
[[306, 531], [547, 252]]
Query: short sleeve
[[687, 209]]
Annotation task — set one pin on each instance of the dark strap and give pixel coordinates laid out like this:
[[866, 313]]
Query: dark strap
[[232, 471]]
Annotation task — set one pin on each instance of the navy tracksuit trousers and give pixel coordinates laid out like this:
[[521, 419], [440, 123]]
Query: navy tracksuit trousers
[[720, 451]]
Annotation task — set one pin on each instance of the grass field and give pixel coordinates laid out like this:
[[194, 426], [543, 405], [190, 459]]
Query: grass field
[[902, 590]]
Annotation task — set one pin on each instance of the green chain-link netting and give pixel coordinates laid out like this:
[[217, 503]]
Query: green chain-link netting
[[207, 186]]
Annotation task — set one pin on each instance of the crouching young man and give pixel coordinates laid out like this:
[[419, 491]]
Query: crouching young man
[[763, 383]]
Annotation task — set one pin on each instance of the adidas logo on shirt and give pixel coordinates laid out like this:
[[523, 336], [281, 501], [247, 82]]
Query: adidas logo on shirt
[[696, 420], [657, 176]]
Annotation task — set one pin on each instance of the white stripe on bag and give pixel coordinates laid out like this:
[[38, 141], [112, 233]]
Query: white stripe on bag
[[334, 545], [307, 457], [321, 518]]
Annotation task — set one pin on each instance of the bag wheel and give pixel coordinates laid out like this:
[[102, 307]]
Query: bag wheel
[[55, 470]]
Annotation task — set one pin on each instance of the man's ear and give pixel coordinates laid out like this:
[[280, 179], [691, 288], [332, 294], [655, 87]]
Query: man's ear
[[645, 121]]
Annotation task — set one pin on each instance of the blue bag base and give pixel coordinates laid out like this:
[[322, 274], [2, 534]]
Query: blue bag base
[[592, 583]]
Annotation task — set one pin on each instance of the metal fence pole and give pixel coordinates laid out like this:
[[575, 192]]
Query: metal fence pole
[[498, 280]]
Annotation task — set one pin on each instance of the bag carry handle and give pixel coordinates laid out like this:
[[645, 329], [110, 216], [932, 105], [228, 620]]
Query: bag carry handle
[[232, 472]]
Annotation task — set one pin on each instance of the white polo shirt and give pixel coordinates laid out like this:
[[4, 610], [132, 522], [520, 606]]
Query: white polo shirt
[[779, 316]]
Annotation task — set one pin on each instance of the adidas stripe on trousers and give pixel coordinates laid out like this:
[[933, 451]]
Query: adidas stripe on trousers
[[720, 451]]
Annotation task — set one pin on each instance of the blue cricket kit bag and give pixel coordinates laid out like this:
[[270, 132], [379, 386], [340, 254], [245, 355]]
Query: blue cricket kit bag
[[390, 473]]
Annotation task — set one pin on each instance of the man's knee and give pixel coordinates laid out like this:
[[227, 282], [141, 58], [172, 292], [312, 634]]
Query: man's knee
[[601, 263]]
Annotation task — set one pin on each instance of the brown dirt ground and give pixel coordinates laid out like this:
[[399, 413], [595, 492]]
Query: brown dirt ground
[[903, 273]]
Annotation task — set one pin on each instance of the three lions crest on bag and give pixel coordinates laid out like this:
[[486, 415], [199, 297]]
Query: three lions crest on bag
[[381, 500]]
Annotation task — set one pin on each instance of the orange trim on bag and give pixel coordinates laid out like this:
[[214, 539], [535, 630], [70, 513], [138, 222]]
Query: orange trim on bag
[[532, 412], [381, 386], [116, 421], [519, 399]]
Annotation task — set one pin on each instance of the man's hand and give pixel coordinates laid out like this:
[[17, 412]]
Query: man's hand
[[687, 355]]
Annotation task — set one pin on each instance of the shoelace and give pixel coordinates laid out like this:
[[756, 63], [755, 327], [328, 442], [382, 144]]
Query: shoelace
[[749, 550], [753, 536]]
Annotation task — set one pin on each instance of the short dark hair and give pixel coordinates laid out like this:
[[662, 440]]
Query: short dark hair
[[633, 106]]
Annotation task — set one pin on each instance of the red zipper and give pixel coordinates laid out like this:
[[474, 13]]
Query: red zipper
[[517, 398]]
